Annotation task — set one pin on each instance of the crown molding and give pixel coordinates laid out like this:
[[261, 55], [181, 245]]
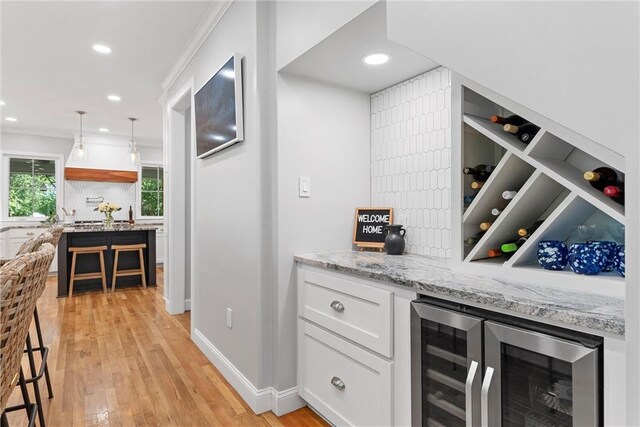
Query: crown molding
[[197, 39]]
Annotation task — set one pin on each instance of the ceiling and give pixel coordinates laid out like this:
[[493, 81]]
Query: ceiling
[[338, 58], [49, 68]]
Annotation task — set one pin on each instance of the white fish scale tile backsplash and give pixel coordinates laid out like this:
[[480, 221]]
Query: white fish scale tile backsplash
[[411, 159]]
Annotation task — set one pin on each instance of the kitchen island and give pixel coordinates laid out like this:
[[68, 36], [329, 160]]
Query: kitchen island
[[97, 235]]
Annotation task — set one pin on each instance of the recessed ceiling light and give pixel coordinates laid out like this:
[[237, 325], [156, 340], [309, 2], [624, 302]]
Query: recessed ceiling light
[[114, 98], [11, 119], [103, 130], [1, 102], [101, 48], [376, 58]]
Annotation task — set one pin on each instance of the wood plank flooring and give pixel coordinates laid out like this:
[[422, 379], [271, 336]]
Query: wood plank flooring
[[121, 360]]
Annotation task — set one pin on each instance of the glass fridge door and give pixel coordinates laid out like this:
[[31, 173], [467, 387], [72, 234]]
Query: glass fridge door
[[537, 380], [446, 359]]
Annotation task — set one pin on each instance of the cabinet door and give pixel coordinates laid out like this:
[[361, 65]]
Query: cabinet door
[[534, 379], [3, 248], [161, 240], [15, 243], [446, 364]]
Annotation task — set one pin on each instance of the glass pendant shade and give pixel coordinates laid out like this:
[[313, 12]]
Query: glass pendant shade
[[81, 149], [134, 154]]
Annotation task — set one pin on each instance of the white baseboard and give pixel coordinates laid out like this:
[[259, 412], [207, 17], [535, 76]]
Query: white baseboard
[[187, 304], [263, 400]]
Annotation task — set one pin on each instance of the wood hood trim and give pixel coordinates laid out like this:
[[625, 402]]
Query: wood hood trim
[[102, 175]]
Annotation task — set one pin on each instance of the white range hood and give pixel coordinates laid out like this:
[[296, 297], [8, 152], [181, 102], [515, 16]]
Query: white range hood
[[104, 160]]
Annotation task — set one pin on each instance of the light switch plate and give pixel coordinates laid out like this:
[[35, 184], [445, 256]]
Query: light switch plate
[[305, 186], [229, 318]]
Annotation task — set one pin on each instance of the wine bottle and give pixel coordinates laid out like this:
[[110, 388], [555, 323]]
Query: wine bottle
[[601, 177], [616, 192], [476, 185], [474, 239], [496, 211], [468, 198], [513, 246], [494, 253], [528, 231], [485, 225], [510, 120], [509, 194], [479, 172], [525, 133]]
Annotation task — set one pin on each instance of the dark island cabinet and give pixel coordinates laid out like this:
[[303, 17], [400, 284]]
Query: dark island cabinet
[[91, 262]]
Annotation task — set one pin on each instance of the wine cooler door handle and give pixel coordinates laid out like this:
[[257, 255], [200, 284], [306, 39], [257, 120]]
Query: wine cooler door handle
[[484, 397], [468, 391]]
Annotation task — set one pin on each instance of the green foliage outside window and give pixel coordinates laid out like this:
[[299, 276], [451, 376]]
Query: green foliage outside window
[[152, 191], [32, 187]]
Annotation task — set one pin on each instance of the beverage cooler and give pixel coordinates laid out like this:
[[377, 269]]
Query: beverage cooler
[[472, 367]]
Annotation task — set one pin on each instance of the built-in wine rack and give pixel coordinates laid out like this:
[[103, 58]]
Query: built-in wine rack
[[547, 174]]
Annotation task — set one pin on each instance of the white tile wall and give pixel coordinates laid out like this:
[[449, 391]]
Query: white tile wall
[[76, 193], [411, 158]]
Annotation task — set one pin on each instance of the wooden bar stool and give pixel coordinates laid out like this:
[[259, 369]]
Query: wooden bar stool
[[85, 276], [131, 272]]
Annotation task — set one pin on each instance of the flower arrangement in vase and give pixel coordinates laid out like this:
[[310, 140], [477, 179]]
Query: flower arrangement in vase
[[108, 208]]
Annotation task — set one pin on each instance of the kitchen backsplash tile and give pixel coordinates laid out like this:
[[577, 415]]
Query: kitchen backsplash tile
[[77, 192], [411, 158]]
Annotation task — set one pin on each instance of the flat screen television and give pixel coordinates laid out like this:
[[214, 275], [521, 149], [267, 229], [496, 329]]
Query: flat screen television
[[218, 109]]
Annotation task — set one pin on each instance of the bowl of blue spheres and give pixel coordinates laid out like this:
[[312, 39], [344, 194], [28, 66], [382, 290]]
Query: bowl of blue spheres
[[553, 254], [586, 258], [619, 259]]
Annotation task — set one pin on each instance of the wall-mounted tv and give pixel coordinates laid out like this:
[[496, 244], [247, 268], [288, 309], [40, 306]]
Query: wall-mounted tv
[[218, 109]]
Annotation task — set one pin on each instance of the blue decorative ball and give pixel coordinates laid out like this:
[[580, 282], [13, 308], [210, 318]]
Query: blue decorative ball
[[609, 251], [586, 258], [553, 254], [619, 259]]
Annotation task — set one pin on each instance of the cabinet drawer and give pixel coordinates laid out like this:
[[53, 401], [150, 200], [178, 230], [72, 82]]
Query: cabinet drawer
[[26, 233], [326, 363], [361, 313]]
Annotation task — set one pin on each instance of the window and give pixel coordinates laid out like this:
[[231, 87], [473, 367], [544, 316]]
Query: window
[[32, 187], [152, 191]]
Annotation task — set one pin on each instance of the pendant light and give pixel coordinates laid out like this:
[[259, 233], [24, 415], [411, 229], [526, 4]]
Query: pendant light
[[81, 151], [134, 155]]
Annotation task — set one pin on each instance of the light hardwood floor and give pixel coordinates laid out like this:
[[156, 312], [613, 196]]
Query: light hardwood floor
[[121, 360]]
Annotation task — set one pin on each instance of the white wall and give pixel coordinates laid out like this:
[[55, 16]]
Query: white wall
[[227, 207], [323, 133], [303, 24], [36, 144], [575, 62], [411, 159]]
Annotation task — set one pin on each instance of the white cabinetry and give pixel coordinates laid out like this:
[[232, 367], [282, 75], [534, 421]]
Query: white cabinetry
[[3, 245], [161, 242], [354, 348], [17, 236]]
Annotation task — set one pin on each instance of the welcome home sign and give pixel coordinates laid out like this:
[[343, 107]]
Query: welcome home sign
[[369, 230]]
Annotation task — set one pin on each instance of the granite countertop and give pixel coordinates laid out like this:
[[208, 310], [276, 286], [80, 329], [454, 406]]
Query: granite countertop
[[116, 227], [87, 227], [12, 227], [435, 277]]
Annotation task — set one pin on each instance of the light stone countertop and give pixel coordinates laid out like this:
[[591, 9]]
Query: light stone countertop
[[434, 276]]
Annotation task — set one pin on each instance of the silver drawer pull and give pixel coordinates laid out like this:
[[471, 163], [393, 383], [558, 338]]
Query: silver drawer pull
[[30, 233], [338, 383], [337, 306]]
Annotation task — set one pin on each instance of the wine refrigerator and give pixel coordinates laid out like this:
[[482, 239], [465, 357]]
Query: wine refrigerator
[[472, 367]]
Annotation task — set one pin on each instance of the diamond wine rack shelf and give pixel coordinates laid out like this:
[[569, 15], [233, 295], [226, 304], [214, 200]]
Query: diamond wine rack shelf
[[547, 174]]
